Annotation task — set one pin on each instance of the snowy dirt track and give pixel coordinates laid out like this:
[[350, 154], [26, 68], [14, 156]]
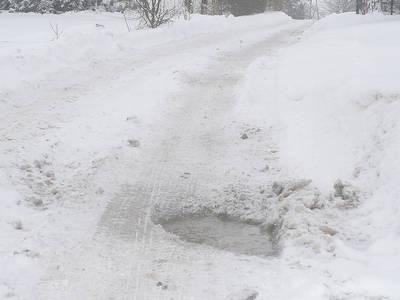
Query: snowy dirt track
[[104, 148], [117, 133], [198, 157]]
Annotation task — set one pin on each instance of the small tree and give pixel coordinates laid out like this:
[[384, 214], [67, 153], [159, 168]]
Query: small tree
[[45, 6], [189, 6], [204, 7], [340, 6], [68, 5], [24, 5], [4, 4], [153, 13], [294, 8]]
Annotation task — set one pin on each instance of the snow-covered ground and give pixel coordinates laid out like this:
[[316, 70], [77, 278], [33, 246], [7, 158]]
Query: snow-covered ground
[[336, 100], [104, 132]]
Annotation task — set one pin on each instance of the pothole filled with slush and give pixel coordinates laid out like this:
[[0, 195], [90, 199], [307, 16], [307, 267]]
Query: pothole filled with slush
[[224, 234]]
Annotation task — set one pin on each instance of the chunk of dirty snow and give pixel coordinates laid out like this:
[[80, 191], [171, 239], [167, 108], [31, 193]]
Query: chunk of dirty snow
[[346, 192], [285, 188], [246, 294]]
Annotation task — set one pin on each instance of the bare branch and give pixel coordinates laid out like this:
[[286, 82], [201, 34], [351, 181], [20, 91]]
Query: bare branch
[[57, 31], [126, 22], [153, 13]]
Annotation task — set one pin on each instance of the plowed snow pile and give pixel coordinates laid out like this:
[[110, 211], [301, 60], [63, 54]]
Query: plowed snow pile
[[334, 99]]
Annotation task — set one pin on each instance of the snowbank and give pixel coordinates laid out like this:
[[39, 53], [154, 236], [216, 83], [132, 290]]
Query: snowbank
[[18, 262], [339, 97], [334, 101], [336, 94], [30, 49]]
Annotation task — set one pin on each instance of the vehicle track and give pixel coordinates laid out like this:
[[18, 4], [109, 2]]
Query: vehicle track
[[198, 161]]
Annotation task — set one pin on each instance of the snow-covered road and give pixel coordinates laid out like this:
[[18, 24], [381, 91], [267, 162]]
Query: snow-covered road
[[107, 135], [104, 149], [193, 158]]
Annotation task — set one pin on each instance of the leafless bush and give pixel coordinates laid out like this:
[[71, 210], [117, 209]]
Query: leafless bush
[[153, 13], [126, 22], [340, 6], [57, 31]]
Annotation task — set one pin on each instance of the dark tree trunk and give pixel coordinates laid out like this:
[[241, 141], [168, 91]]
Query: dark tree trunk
[[204, 7]]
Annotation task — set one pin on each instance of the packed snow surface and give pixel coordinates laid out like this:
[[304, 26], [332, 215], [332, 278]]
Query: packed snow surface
[[106, 133]]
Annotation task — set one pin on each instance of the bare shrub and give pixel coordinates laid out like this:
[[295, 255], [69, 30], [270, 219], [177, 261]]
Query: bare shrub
[[153, 13], [57, 31], [126, 22], [340, 6]]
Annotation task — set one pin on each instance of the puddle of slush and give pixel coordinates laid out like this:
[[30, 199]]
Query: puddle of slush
[[224, 234]]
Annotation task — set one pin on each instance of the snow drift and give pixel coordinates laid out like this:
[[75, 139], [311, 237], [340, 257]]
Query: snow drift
[[336, 95], [334, 100]]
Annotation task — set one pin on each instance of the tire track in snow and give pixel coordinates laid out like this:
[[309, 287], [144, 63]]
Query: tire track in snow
[[193, 158], [183, 162]]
